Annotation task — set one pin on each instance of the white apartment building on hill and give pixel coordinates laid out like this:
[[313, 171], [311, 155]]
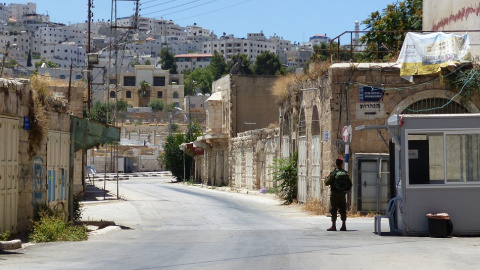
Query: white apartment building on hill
[[230, 46], [64, 53], [17, 11]]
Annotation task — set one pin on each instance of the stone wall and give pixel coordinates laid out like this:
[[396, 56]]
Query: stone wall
[[254, 173], [15, 97]]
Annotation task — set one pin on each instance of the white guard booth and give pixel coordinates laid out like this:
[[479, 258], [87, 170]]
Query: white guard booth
[[437, 170]]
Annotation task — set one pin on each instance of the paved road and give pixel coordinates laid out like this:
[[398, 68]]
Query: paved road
[[173, 226]]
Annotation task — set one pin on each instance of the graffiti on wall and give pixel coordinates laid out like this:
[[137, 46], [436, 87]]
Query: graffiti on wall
[[460, 16], [38, 183]]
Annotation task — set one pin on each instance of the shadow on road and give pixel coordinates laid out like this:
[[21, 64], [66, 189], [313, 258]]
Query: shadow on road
[[93, 193]]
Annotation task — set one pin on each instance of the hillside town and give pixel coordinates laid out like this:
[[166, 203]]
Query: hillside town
[[149, 113]]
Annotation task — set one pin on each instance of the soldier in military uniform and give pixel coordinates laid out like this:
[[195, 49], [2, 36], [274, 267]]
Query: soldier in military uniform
[[340, 183]]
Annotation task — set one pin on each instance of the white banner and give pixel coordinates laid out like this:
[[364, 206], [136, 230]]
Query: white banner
[[423, 54]]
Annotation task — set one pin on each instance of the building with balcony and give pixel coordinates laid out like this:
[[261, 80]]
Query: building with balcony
[[229, 46]]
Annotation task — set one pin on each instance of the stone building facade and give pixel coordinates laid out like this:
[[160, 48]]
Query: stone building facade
[[346, 94], [356, 95], [238, 103]]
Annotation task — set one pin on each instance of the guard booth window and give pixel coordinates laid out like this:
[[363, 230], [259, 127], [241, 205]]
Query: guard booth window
[[443, 158]]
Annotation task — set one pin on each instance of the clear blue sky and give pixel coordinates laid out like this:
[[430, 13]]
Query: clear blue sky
[[290, 19]]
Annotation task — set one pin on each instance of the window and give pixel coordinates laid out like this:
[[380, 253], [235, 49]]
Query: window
[[129, 81], [443, 157], [112, 94], [159, 94], [62, 77], [128, 94], [175, 94], [78, 77], [158, 81]]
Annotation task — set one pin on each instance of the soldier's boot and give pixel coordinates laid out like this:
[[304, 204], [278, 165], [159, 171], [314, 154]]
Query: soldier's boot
[[333, 228], [344, 227]]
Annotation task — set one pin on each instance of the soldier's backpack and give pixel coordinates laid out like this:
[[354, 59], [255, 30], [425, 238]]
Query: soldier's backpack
[[342, 180]]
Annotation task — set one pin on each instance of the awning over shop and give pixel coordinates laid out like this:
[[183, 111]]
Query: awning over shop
[[87, 134]]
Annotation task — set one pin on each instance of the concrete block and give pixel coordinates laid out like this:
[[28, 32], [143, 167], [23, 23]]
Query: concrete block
[[10, 245]]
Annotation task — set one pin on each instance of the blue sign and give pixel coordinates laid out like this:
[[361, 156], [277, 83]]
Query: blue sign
[[368, 93], [326, 135], [26, 123]]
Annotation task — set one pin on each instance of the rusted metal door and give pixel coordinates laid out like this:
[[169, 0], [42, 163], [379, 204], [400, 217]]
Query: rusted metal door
[[8, 173], [302, 169], [58, 149], [316, 166], [249, 180]]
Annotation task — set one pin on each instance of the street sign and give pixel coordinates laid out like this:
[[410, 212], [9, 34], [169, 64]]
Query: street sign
[[326, 135], [345, 134], [371, 94]]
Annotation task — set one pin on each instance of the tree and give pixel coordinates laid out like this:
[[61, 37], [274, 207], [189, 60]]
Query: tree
[[201, 78], [11, 63], [147, 62], [134, 62], [218, 65], [145, 89], [48, 64], [29, 58], [156, 105], [122, 105], [101, 112], [167, 60], [239, 64], [172, 157], [321, 52], [401, 16], [268, 63]]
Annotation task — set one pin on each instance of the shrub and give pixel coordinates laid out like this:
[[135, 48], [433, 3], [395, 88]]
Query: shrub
[[52, 227], [5, 236], [285, 174], [156, 105], [77, 208], [173, 127]]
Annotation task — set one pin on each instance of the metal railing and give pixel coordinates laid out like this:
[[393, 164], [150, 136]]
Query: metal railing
[[337, 53]]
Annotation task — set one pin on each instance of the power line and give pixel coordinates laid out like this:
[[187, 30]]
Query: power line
[[171, 7], [149, 1], [212, 11], [159, 4], [189, 8]]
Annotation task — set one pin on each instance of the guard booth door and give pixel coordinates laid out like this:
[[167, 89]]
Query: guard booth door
[[371, 183]]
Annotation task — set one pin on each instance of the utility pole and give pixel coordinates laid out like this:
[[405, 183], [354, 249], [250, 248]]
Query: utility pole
[[113, 33], [89, 50]]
